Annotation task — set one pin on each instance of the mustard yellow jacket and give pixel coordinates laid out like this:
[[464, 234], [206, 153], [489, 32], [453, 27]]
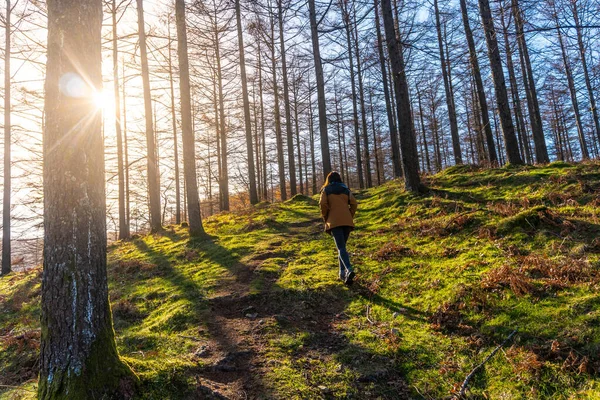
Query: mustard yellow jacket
[[338, 206]]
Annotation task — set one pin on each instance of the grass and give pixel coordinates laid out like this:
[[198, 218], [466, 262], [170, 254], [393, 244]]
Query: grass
[[443, 278]]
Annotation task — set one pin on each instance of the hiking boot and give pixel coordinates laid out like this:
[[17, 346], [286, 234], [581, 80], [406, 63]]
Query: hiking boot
[[350, 278]]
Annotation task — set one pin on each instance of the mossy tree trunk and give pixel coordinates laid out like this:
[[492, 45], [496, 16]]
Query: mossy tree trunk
[[78, 357]]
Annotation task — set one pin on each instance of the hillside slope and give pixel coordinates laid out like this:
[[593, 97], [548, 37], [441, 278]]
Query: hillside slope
[[257, 311]]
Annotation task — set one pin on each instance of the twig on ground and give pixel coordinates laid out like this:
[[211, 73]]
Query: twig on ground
[[463, 388], [368, 312]]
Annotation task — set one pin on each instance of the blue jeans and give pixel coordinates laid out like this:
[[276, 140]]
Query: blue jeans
[[340, 235]]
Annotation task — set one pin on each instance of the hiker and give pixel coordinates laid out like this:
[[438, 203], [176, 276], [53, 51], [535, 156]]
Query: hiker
[[338, 207]]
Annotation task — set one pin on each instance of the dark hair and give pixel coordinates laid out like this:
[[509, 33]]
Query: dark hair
[[333, 176]]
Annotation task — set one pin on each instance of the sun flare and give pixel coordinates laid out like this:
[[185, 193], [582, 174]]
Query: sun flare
[[103, 100]]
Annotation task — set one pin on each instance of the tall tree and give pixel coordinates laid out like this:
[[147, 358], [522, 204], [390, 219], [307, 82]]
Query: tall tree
[[396, 158], [314, 30], [520, 122], [483, 107], [78, 358], [408, 144], [449, 95], [359, 162], [6, 250], [123, 223], [508, 129], [541, 151], [152, 159], [247, 117], [187, 132], [174, 127], [584, 65], [571, 83], [363, 110], [277, 116], [286, 102]]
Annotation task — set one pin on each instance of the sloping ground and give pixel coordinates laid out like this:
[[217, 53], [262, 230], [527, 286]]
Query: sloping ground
[[258, 312]]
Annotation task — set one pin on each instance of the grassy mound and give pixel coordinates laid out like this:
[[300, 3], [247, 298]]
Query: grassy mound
[[442, 279]]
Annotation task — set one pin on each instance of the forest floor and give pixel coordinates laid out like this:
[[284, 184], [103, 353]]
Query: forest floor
[[257, 310]]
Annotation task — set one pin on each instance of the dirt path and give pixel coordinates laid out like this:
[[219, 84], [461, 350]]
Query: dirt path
[[235, 357]]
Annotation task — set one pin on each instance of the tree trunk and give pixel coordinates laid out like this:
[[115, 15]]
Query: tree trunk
[[426, 148], [363, 109], [297, 130], [153, 172], [278, 133], [78, 355], [375, 149], [123, 225], [262, 124], [247, 118], [508, 129], [187, 132], [541, 151], [408, 145], [224, 177], [396, 159], [514, 89], [175, 141], [311, 131], [359, 163], [489, 136], [286, 104], [126, 154], [449, 95], [326, 159], [6, 250]]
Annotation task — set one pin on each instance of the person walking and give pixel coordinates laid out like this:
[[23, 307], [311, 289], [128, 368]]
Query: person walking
[[338, 207]]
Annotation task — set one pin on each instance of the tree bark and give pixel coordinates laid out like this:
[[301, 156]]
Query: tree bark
[[326, 158], [489, 136], [508, 129], [6, 220], [187, 132], [153, 169], [78, 355], [449, 95], [408, 145]]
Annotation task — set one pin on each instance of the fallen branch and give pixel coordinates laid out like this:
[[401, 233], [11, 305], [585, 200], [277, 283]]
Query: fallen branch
[[368, 312], [463, 388]]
